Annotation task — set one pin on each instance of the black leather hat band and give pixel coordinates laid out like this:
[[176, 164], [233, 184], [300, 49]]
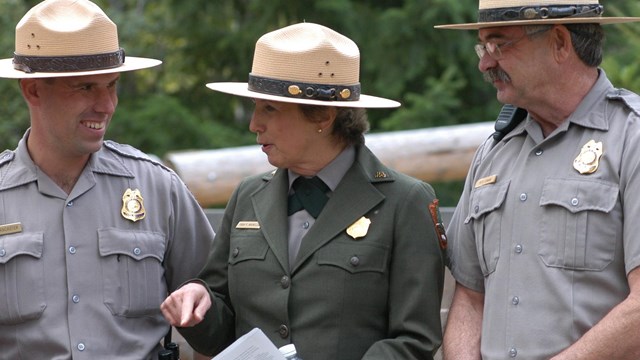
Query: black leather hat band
[[540, 12], [301, 90], [54, 64]]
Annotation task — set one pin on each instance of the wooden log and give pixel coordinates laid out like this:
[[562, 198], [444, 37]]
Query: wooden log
[[431, 154]]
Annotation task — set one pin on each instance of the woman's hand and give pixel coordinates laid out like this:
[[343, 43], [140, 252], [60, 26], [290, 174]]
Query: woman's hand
[[186, 306]]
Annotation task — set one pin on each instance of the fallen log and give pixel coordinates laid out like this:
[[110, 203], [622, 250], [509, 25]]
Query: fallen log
[[431, 154]]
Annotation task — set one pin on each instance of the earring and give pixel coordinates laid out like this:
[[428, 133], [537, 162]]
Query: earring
[[319, 131]]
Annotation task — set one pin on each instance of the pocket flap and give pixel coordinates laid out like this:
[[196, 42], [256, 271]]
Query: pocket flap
[[577, 195], [247, 248], [354, 257], [14, 245], [135, 244], [487, 198]]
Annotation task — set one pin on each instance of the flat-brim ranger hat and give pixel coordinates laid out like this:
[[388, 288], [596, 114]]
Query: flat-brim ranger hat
[[305, 63], [492, 13], [60, 38]]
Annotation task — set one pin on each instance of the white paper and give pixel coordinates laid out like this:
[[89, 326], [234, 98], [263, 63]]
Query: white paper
[[254, 345]]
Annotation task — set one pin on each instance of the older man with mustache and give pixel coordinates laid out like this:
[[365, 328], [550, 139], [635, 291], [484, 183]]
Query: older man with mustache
[[544, 242]]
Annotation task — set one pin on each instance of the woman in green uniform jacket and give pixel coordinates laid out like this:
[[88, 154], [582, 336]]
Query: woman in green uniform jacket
[[332, 251]]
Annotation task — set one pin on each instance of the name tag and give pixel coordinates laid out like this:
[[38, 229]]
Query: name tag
[[486, 181], [10, 228], [248, 225]]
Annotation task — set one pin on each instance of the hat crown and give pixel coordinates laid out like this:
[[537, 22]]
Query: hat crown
[[65, 28], [308, 53], [496, 4]]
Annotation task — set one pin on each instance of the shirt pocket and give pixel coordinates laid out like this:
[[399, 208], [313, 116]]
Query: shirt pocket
[[577, 232], [133, 276], [22, 290], [486, 215]]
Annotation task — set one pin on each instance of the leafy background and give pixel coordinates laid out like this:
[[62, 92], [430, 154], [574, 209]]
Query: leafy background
[[432, 72]]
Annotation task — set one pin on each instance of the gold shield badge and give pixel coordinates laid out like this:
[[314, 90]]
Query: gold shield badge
[[588, 160], [359, 228], [132, 205]]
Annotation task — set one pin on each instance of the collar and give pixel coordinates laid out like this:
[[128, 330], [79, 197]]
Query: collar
[[333, 173]]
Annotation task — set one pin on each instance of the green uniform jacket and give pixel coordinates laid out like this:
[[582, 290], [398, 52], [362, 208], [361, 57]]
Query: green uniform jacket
[[372, 297]]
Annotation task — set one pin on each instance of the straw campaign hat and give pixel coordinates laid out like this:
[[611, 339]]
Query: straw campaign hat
[[493, 13], [58, 38], [305, 63]]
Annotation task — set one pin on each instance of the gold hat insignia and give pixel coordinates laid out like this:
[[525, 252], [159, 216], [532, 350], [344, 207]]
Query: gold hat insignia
[[588, 160], [359, 228], [133, 205]]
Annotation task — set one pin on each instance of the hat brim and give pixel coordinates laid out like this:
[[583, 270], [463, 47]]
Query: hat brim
[[130, 63], [242, 89], [588, 20]]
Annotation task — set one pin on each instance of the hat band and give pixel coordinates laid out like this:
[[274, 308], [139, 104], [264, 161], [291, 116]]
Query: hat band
[[539, 12], [301, 90], [32, 64]]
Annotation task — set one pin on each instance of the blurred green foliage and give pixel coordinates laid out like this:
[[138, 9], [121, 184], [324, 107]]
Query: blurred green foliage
[[432, 72]]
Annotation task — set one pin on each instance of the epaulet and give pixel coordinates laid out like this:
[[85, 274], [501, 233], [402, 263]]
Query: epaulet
[[132, 153], [6, 157], [631, 99]]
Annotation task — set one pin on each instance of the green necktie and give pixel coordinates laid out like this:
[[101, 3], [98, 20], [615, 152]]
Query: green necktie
[[310, 194]]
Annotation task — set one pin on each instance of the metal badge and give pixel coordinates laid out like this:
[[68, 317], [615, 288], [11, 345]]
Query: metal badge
[[359, 228], [588, 160], [133, 205]]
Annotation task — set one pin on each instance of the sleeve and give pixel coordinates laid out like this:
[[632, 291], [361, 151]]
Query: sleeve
[[191, 236], [217, 330], [416, 282], [464, 263]]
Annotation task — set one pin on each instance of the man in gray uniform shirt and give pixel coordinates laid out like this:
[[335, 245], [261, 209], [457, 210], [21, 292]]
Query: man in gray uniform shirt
[[545, 241], [93, 234]]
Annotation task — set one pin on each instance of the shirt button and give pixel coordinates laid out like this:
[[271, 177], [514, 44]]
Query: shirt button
[[283, 331], [70, 204], [515, 300], [575, 201], [72, 250], [236, 252], [75, 299], [354, 261], [305, 225], [513, 352], [285, 282], [539, 152], [476, 209], [81, 346], [137, 251], [3, 252], [518, 249], [523, 197]]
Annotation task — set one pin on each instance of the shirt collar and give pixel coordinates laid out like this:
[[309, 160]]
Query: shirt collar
[[333, 173]]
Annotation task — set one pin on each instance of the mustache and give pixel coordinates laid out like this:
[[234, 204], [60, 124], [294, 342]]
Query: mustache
[[494, 74]]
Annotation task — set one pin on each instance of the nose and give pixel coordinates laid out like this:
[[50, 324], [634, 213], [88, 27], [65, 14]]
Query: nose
[[486, 62], [106, 100], [256, 125]]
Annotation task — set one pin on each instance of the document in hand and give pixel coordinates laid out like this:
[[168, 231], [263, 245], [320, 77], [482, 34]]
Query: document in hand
[[254, 345]]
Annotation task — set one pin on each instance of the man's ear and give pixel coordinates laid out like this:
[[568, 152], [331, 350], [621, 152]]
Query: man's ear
[[561, 40], [30, 90]]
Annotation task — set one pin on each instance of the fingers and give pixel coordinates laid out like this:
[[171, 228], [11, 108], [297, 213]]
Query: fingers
[[186, 306]]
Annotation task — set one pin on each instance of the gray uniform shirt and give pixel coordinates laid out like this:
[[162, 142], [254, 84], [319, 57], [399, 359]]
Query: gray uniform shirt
[[549, 246], [79, 280]]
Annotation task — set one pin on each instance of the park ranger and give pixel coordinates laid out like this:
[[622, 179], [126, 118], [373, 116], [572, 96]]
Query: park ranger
[[93, 234]]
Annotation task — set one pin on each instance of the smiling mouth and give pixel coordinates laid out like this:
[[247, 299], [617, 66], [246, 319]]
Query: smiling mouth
[[93, 125]]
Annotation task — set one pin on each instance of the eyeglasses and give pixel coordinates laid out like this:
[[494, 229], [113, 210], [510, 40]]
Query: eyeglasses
[[494, 50]]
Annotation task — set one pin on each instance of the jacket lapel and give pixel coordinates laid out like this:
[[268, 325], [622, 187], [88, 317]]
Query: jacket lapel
[[353, 198], [270, 206]]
